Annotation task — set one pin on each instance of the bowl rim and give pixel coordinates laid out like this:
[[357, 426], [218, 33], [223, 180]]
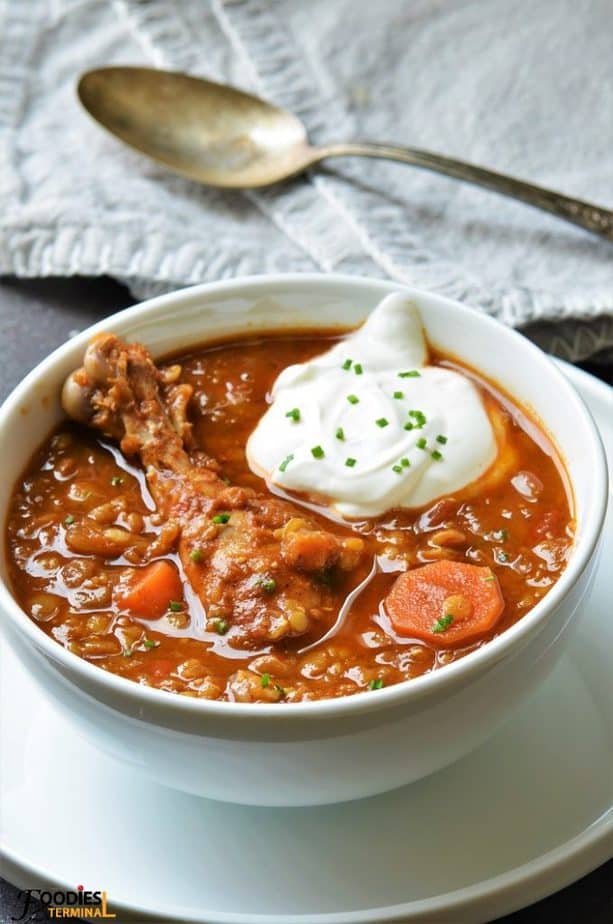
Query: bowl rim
[[433, 683]]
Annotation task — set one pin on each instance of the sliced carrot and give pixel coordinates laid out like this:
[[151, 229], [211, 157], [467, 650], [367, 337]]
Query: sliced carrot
[[447, 604], [150, 591]]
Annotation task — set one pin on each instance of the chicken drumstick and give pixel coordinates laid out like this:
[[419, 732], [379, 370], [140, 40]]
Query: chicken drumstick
[[254, 559]]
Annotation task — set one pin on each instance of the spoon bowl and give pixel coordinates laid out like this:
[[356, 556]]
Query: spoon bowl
[[208, 132]]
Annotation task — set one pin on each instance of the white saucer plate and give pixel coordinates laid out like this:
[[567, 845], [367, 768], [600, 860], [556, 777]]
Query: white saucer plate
[[523, 816]]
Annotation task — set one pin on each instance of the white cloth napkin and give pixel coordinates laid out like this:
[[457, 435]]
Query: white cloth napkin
[[521, 86]]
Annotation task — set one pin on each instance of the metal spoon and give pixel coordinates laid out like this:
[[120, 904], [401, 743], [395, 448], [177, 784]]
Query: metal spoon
[[223, 137]]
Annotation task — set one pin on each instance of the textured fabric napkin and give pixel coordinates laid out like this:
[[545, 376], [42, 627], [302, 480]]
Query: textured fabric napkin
[[520, 86]]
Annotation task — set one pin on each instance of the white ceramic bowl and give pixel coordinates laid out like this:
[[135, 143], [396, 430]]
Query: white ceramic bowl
[[331, 750]]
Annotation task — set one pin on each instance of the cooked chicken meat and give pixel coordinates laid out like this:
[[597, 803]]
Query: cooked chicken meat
[[254, 561]]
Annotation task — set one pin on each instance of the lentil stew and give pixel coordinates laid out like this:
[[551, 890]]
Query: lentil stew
[[152, 550]]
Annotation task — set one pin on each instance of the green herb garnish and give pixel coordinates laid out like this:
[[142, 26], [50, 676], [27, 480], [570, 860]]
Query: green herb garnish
[[436, 455], [175, 606], [196, 555], [349, 462], [405, 462], [347, 364], [221, 626], [294, 414], [353, 399], [397, 469], [265, 680], [422, 442], [441, 439], [358, 369], [340, 434], [286, 462], [221, 518], [409, 426], [267, 584], [382, 422], [150, 643], [442, 623], [69, 520], [126, 652], [376, 684], [419, 417], [317, 452], [398, 395], [411, 374]]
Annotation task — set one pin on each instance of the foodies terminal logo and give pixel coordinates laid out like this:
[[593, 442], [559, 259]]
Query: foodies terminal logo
[[80, 904]]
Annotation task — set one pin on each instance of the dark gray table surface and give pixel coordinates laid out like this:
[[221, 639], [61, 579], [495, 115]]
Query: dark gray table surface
[[38, 315]]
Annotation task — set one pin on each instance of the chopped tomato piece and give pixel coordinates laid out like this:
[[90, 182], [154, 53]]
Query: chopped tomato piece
[[447, 604], [151, 590]]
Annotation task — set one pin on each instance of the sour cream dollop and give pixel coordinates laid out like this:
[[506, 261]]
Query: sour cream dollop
[[368, 425]]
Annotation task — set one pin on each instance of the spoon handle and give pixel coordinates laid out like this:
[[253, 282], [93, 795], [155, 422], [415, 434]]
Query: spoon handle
[[593, 218]]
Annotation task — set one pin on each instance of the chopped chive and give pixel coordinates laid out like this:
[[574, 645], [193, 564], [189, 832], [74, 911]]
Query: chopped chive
[[405, 462], [376, 684], [340, 434], [421, 442], [317, 452], [347, 364], [294, 414], [221, 518], [382, 422], [411, 374], [286, 462], [126, 652], [436, 455], [150, 643], [358, 369], [489, 578], [409, 426], [267, 584], [175, 606], [196, 555], [442, 623], [350, 462], [419, 417], [397, 469], [221, 626], [116, 480], [69, 520], [441, 439], [265, 680], [398, 395], [353, 399]]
